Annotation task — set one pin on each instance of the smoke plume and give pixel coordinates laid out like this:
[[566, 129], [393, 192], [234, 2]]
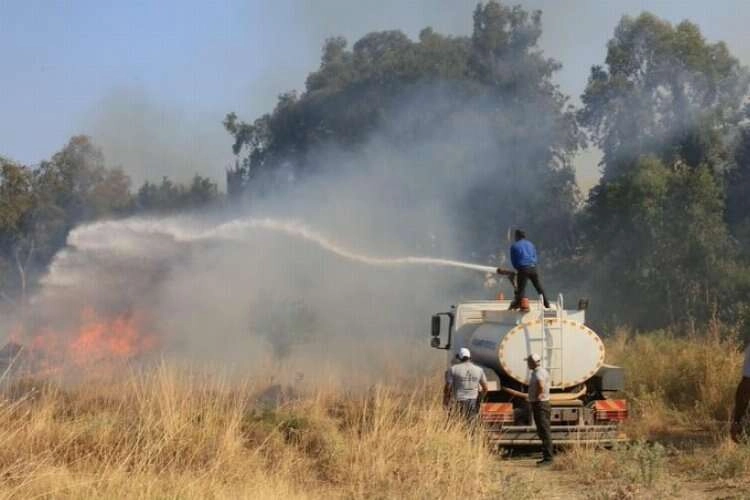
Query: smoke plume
[[151, 140], [242, 287]]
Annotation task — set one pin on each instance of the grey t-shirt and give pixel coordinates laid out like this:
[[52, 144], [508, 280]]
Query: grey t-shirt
[[538, 374], [464, 379]]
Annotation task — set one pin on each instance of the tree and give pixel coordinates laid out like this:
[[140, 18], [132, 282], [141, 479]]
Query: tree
[[16, 216], [73, 187], [655, 240], [38, 207], [169, 197], [738, 187], [657, 244], [410, 92], [666, 92]]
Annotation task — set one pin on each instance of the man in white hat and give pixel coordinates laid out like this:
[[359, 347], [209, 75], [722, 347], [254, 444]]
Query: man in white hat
[[539, 383], [465, 385]]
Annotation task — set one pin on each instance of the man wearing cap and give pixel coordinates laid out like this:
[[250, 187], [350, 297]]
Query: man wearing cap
[[465, 384], [538, 395], [741, 400]]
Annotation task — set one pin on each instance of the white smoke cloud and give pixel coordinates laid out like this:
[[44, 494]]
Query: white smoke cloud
[[151, 139], [230, 289]]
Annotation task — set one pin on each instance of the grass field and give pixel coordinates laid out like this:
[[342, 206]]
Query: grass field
[[176, 432]]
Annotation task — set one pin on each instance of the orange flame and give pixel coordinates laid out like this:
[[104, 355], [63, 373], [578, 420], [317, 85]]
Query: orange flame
[[119, 338], [96, 340]]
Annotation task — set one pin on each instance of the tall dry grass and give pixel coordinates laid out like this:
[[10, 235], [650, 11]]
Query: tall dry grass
[[673, 380], [174, 433], [681, 390]]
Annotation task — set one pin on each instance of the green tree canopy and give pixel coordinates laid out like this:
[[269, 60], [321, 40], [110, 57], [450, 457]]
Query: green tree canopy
[[664, 111], [663, 91], [512, 130], [169, 197], [39, 206]]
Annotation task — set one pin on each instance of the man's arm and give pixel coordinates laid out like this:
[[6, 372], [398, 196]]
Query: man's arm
[[482, 386], [741, 401], [447, 388], [514, 256], [446, 394]]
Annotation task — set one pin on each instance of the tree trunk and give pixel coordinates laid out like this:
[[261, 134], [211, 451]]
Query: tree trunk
[[22, 265]]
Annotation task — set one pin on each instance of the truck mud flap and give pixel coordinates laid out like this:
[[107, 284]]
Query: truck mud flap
[[523, 435]]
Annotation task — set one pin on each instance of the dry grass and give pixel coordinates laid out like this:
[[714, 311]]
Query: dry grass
[[677, 381], [177, 434], [680, 390], [722, 461], [709, 466], [173, 432], [635, 470]]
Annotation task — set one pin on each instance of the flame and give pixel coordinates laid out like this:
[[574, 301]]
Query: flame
[[95, 340], [119, 338]]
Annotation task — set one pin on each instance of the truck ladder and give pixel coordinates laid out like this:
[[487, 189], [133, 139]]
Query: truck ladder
[[551, 342]]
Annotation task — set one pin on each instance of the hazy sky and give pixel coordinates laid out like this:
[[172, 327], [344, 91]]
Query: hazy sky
[[151, 81]]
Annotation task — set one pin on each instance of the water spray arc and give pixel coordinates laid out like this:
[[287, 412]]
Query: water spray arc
[[238, 230], [132, 236]]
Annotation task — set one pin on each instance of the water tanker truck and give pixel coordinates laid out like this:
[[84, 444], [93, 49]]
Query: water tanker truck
[[500, 340]]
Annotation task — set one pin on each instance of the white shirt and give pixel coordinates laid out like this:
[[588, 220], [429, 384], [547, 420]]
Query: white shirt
[[538, 374], [746, 366], [465, 379]]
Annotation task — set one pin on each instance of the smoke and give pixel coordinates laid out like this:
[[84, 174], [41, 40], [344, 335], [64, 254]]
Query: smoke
[[150, 139], [297, 278]]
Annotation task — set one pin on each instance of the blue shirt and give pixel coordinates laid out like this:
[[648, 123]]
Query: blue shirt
[[523, 254]]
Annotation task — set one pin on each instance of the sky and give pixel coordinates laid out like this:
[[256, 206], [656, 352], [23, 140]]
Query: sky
[[152, 81]]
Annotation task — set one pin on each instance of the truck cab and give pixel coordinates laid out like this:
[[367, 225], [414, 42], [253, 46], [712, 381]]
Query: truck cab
[[500, 340]]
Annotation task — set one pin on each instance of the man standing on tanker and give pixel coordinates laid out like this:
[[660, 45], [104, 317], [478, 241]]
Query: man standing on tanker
[[523, 258], [465, 384]]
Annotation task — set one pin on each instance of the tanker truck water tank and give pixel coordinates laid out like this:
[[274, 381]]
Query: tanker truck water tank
[[570, 350]]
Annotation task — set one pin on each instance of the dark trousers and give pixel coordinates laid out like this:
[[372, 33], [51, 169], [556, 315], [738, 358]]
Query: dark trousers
[[524, 275], [467, 408], [541, 411]]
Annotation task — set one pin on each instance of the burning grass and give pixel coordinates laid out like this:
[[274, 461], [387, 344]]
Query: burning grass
[[92, 340]]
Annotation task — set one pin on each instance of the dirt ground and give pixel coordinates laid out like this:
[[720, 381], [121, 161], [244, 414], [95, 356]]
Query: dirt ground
[[676, 478], [555, 484]]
